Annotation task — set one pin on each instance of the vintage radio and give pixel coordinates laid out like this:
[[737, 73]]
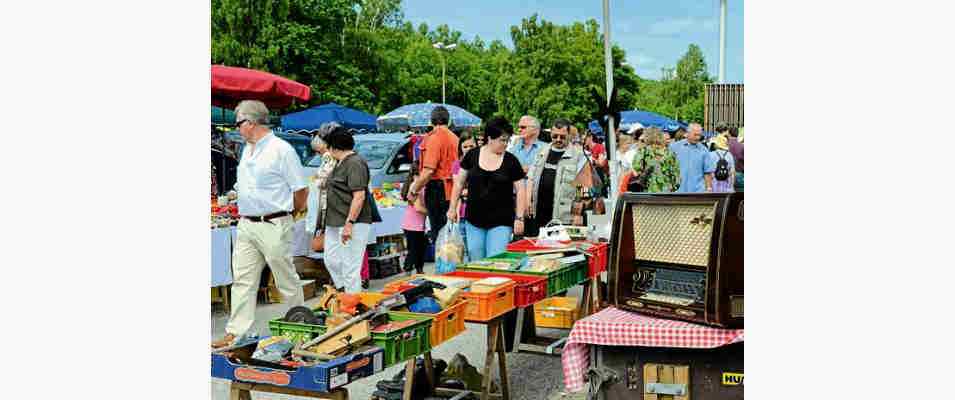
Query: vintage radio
[[679, 256]]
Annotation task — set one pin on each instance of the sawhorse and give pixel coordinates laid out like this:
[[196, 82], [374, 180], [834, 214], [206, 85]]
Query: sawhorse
[[587, 304], [495, 347]]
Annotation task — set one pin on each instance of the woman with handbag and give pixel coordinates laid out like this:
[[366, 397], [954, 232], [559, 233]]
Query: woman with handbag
[[493, 176], [318, 193], [655, 168]]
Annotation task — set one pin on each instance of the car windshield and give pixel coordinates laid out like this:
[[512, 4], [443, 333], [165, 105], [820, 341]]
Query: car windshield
[[375, 152]]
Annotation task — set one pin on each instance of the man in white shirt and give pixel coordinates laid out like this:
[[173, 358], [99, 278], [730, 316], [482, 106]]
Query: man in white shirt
[[271, 187]]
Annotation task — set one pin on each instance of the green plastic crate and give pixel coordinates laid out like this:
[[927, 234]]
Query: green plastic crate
[[558, 281], [400, 344]]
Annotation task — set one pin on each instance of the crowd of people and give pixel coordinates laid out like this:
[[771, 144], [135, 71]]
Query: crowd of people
[[496, 185]]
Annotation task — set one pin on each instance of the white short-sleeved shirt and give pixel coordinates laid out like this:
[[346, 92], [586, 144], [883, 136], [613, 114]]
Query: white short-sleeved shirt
[[268, 176]]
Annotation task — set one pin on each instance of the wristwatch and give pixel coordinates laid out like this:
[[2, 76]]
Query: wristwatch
[[351, 221]]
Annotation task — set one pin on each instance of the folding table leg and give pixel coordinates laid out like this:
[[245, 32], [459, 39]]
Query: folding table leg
[[502, 363], [429, 369], [493, 332], [518, 330], [409, 379]]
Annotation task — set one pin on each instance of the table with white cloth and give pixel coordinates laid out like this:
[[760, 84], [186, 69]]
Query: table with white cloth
[[222, 241]]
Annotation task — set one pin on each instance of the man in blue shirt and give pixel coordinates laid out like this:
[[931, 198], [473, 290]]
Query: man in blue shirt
[[696, 175], [526, 147]]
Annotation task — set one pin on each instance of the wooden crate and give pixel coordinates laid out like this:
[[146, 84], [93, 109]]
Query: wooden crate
[[708, 374]]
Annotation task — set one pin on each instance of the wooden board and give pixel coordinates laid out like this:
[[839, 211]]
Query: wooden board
[[666, 373], [360, 334]]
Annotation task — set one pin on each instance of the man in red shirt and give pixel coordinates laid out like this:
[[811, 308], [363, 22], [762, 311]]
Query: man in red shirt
[[439, 151], [597, 151]]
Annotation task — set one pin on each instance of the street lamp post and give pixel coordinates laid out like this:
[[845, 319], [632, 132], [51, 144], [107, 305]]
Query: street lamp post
[[448, 47]]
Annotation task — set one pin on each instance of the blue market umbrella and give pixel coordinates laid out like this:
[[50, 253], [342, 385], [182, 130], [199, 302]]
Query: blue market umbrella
[[645, 118], [419, 115], [313, 118]]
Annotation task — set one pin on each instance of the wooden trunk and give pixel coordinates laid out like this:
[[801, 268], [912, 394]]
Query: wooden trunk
[[679, 256], [685, 374]]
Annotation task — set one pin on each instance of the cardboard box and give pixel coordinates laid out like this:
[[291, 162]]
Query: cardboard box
[[321, 377]]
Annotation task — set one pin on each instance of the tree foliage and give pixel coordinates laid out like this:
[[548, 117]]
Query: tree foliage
[[362, 54]]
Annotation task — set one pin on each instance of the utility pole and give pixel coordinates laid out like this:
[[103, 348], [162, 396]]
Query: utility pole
[[443, 47], [722, 77]]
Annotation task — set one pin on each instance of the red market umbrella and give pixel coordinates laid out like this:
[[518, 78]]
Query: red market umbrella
[[230, 85]]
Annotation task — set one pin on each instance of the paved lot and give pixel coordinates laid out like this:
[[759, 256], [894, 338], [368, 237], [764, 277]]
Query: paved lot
[[531, 376]]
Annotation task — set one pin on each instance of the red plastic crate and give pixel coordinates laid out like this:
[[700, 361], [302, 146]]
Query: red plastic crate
[[529, 290], [597, 261], [525, 245]]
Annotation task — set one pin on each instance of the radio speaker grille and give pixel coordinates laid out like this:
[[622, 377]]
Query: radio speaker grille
[[673, 233]]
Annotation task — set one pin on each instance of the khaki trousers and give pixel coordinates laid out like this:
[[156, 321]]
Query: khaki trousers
[[258, 243]]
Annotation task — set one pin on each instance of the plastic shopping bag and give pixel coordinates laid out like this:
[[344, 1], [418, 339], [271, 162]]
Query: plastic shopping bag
[[448, 249]]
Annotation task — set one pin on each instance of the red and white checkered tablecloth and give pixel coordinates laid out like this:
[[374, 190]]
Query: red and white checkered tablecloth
[[615, 327]]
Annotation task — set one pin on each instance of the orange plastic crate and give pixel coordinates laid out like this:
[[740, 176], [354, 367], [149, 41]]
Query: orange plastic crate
[[398, 285], [484, 307], [447, 323], [556, 312]]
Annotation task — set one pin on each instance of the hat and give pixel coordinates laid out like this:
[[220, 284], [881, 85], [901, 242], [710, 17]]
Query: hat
[[720, 142]]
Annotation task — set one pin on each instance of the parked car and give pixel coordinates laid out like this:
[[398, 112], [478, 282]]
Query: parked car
[[232, 147], [387, 154]]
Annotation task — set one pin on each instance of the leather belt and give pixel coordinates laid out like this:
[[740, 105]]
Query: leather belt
[[267, 218]]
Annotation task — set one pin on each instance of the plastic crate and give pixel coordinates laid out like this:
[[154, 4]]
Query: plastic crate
[[516, 260], [529, 289], [405, 343], [525, 245], [399, 344], [399, 285], [484, 307], [556, 312], [446, 325], [558, 280], [597, 258]]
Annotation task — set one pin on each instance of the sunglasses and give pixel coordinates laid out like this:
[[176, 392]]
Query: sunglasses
[[558, 137], [239, 124]]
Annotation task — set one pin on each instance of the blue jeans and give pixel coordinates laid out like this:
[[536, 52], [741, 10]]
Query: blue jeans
[[484, 243]]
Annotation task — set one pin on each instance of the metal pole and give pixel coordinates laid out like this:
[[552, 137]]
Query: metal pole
[[443, 77], [722, 78], [611, 134]]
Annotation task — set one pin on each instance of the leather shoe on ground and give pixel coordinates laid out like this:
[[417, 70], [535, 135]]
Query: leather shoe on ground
[[225, 341]]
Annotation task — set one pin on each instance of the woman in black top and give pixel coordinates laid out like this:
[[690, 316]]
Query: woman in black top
[[492, 176]]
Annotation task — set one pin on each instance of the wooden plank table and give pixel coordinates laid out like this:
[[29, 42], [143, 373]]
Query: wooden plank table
[[587, 304]]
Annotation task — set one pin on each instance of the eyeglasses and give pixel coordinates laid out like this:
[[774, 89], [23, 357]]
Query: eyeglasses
[[239, 124], [558, 137]]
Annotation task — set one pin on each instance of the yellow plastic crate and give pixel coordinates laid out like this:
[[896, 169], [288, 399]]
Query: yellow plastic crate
[[556, 312]]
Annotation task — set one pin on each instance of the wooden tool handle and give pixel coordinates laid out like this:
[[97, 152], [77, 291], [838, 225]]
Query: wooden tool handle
[[320, 356]]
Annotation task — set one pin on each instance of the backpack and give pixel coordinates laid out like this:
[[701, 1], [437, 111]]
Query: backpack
[[722, 172]]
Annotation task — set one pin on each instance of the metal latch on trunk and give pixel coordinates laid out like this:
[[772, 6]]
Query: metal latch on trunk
[[673, 389]]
